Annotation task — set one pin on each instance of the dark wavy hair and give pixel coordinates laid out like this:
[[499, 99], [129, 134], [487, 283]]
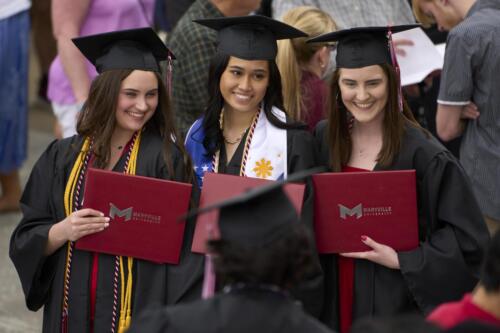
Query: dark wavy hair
[[274, 97], [284, 262], [97, 118], [490, 271], [393, 124]]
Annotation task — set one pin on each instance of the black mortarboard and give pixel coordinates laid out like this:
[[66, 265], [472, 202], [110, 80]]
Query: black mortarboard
[[258, 216], [362, 46], [250, 37], [125, 49]]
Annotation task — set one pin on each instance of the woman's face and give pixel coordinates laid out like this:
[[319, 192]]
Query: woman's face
[[137, 101], [364, 92], [243, 84]]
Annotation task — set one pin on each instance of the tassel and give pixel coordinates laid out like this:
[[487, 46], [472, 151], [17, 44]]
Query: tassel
[[209, 274], [394, 60], [169, 74], [209, 278]]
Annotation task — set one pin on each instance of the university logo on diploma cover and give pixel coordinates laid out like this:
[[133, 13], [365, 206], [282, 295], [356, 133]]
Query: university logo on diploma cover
[[380, 204], [143, 215]]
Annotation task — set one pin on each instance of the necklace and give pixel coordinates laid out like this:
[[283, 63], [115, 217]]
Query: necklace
[[238, 139], [226, 139]]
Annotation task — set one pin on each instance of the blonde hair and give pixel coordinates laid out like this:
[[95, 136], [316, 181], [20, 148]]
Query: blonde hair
[[423, 18], [292, 53]]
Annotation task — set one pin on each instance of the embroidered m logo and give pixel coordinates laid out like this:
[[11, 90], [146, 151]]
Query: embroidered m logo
[[114, 211], [357, 210]]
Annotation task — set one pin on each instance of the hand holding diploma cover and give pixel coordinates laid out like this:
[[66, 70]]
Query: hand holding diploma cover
[[380, 205], [143, 215], [219, 187], [421, 59]]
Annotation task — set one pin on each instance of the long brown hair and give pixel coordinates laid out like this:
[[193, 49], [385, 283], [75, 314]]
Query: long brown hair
[[295, 53], [393, 126], [97, 119]]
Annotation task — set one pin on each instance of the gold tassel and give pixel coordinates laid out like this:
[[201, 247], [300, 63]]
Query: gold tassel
[[126, 296]]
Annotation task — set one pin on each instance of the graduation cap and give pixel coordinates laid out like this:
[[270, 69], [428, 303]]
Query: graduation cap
[[250, 37], [363, 46], [259, 216], [125, 49]]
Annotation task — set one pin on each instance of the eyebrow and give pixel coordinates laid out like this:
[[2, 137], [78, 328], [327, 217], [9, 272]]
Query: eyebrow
[[136, 90], [368, 81], [260, 70]]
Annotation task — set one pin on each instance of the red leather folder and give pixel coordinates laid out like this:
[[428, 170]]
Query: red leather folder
[[380, 204], [143, 213], [218, 187]]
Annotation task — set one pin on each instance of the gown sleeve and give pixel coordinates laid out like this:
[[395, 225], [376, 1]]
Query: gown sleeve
[[446, 264], [321, 142], [302, 155], [29, 239], [153, 321]]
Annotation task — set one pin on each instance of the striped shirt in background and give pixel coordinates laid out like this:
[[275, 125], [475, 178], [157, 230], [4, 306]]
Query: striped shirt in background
[[471, 72], [354, 13]]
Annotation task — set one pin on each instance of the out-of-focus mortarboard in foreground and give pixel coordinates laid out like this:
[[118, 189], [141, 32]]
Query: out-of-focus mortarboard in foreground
[[259, 216]]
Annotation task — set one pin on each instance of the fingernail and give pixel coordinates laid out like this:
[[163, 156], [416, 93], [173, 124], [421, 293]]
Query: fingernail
[[363, 238], [107, 219], [101, 214], [106, 225]]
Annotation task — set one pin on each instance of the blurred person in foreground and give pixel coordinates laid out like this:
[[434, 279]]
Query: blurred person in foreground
[[483, 304], [263, 252]]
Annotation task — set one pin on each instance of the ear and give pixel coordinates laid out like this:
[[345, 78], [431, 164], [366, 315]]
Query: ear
[[323, 55]]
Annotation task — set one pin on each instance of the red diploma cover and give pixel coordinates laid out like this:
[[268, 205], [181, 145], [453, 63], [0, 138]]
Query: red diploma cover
[[380, 204], [143, 213], [218, 187]]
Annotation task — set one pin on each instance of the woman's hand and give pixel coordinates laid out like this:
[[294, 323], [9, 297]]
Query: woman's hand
[[80, 223], [380, 254], [84, 222]]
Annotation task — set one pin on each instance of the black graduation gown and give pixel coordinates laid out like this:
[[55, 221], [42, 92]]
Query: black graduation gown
[[42, 276], [241, 311], [452, 237], [301, 155]]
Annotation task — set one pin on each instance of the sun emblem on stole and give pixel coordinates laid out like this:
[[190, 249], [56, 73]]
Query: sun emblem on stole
[[263, 168]]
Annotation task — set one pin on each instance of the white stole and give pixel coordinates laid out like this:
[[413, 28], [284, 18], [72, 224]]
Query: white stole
[[267, 154]]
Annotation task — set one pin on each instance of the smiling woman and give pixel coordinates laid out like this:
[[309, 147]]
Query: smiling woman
[[371, 128], [245, 131], [126, 125]]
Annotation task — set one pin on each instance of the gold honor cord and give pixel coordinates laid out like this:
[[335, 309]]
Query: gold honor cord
[[68, 209], [126, 295], [71, 185]]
